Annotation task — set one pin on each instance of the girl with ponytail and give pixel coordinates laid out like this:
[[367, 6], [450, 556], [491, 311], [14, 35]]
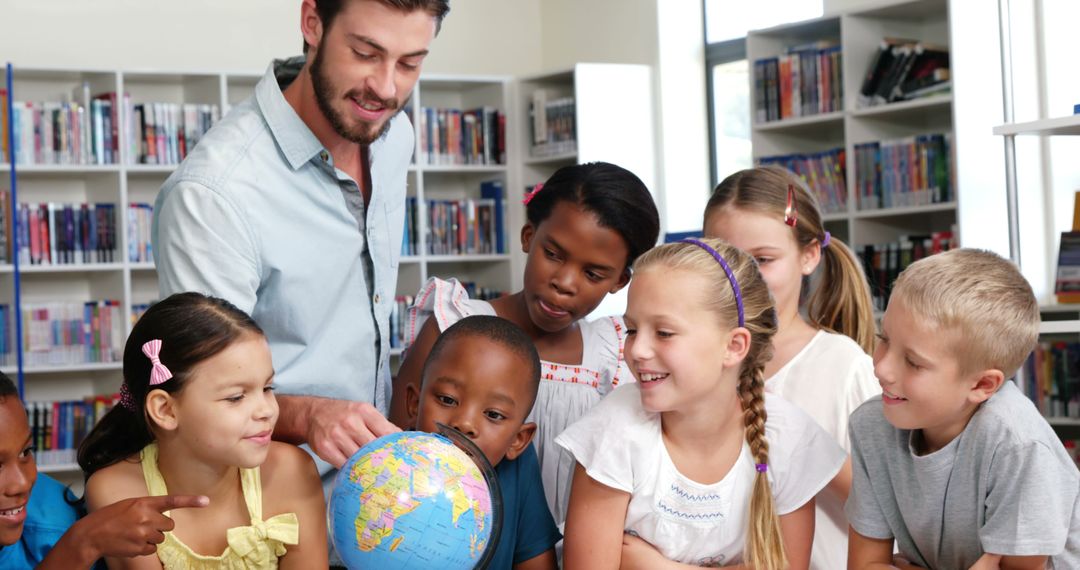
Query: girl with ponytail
[[694, 463], [825, 324], [195, 417]]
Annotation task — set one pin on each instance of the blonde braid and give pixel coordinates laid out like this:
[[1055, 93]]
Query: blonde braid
[[765, 545]]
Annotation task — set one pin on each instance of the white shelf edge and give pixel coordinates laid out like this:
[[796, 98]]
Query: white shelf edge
[[59, 468], [142, 266], [492, 257], [798, 122], [73, 368], [150, 168], [1063, 422], [904, 211], [562, 157], [1059, 327], [1069, 125], [72, 268], [904, 106], [460, 168], [66, 168]]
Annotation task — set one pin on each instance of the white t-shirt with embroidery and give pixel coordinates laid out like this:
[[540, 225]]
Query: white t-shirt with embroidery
[[566, 391], [620, 445], [828, 379]]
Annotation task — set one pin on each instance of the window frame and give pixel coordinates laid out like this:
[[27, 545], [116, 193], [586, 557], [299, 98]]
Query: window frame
[[718, 53]]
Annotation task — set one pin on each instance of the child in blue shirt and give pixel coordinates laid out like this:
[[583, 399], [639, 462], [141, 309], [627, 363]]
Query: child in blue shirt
[[39, 523], [481, 378]]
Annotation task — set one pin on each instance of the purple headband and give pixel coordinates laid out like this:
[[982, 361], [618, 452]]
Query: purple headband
[[730, 275]]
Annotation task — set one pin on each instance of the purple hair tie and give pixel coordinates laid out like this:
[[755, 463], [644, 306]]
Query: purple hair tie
[[825, 241], [730, 275], [761, 467], [127, 401]]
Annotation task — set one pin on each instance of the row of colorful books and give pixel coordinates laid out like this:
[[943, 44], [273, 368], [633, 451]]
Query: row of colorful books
[[909, 171], [472, 226], [5, 226], [7, 337], [454, 137], [905, 69], [805, 80], [65, 132], [1052, 378], [883, 262], [57, 428], [552, 125], [399, 314], [68, 333], [140, 219], [66, 234], [823, 173], [164, 133]]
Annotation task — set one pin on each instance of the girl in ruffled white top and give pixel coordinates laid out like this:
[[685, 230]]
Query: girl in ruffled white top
[[586, 226], [695, 464], [821, 360]]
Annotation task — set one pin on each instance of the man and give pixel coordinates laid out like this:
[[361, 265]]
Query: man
[[292, 208]]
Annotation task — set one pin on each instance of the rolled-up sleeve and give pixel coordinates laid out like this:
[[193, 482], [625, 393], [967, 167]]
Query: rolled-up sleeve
[[202, 243]]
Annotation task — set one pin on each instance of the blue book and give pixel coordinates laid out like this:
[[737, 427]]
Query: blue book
[[494, 190]]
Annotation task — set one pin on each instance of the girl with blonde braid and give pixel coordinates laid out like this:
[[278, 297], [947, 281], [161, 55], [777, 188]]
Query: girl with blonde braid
[[694, 465]]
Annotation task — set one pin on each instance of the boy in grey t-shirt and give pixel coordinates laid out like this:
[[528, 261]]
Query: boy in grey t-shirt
[[952, 461]]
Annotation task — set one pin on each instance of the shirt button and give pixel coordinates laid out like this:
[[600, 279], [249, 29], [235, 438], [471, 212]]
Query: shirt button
[[377, 297], [324, 156]]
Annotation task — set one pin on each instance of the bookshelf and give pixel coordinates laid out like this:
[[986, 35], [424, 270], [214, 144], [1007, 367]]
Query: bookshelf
[[131, 281], [612, 111], [858, 34]]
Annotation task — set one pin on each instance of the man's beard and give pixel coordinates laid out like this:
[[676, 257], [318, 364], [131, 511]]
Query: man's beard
[[360, 133]]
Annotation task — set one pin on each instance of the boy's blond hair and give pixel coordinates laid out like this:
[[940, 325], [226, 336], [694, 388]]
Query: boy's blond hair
[[979, 296]]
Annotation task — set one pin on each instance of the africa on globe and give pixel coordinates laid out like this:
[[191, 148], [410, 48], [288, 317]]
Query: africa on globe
[[411, 500]]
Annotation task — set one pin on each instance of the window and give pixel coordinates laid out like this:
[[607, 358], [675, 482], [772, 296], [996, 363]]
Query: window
[[726, 24]]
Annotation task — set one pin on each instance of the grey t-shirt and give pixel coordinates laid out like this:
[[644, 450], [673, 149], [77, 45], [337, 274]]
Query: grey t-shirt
[[1005, 485]]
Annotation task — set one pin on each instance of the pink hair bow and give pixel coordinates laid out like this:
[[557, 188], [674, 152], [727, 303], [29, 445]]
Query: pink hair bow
[[536, 189], [159, 374]]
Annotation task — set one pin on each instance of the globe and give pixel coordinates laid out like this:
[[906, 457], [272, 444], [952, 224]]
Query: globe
[[413, 500]]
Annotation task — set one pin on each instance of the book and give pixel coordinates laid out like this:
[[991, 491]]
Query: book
[[493, 190], [803, 80]]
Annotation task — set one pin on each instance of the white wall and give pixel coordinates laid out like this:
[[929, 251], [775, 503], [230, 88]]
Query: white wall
[[479, 36], [599, 31]]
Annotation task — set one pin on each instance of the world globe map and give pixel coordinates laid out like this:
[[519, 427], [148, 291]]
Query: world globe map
[[410, 500]]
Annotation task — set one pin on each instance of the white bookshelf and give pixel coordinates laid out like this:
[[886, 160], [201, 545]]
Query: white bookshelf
[[613, 110], [858, 33], [124, 183]]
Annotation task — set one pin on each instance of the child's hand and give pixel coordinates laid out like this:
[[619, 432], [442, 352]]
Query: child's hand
[[638, 554], [987, 562], [129, 528]]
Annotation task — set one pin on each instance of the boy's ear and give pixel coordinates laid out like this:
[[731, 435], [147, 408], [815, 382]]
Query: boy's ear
[[527, 233], [986, 384], [161, 409], [737, 346], [521, 440], [412, 403]]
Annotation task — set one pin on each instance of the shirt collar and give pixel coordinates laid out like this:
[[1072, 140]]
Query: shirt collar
[[293, 137]]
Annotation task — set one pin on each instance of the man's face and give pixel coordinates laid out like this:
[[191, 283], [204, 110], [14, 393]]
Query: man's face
[[18, 470], [366, 65]]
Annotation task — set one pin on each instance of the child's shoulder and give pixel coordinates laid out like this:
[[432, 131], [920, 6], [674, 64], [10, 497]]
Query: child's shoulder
[[121, 480], [1009, 418], [288, 475]]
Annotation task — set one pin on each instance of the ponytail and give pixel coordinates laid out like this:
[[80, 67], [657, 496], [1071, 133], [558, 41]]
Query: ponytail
[[841, 301]]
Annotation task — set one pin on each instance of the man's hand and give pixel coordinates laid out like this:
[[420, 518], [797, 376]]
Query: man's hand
[[128, 528], [338, 428]]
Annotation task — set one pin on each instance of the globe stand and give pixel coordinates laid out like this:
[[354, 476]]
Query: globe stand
[[465, 444]]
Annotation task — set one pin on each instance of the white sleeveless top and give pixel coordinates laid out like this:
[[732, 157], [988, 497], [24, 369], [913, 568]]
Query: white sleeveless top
[[566, 391]]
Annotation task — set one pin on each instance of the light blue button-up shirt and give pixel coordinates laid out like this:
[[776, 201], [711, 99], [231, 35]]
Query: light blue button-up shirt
[[256, 214]]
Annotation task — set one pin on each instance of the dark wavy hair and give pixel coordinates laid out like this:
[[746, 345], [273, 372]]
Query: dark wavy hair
[[617, 197], [192, 328], [329, 9]]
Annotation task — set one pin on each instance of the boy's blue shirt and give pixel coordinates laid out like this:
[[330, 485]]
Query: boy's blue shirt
[[48, 517], [528, 527]]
